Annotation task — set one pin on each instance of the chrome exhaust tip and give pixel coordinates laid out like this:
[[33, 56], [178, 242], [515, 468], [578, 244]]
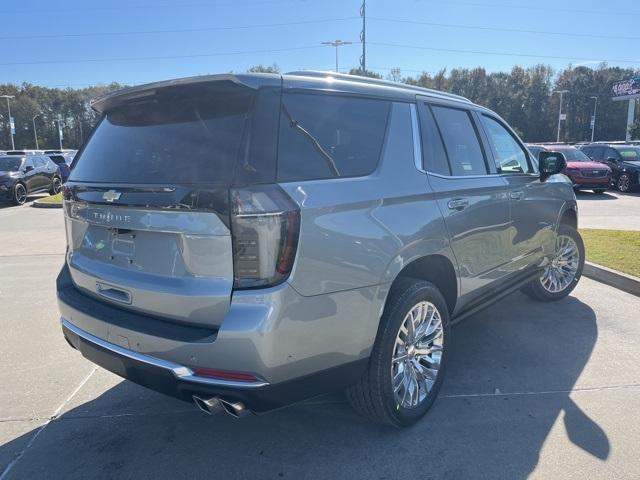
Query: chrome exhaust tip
[[210, 406], [235, 409]]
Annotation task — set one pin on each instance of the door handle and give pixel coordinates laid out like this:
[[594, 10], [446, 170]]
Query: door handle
[[458, 204], [516, 195]]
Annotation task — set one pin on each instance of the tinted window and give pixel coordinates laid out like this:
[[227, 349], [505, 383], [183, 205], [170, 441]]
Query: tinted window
[[187, 134], [57, 159], [10, 164], [611, 153], [29, 163], [435, 158], [461, 141], [510, 157], [597, 153], [325, 136]]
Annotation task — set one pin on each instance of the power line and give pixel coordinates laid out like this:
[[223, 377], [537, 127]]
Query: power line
[[178, 30], [502, 54], [501, 29], [161, 57]]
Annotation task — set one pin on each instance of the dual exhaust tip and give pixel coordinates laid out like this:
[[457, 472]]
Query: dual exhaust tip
[[214, 405]]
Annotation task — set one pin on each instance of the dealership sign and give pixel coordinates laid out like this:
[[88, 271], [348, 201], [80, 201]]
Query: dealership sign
[[626, 89]]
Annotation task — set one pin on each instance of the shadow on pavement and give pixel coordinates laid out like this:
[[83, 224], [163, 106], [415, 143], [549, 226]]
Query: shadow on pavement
[[508, 384]]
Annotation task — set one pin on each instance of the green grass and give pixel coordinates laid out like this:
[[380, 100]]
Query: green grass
[[55, 199], [617, 249]]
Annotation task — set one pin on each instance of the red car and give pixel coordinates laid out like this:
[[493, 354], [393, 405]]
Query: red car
[[585, 174]]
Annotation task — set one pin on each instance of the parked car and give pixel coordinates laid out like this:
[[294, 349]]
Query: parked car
[[584, 173], [21, 176], [62, 164], [341, 227], [623, 159]]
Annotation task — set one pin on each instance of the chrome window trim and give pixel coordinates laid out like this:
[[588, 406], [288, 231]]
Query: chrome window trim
[[417, 146], [439, 175], [179, 371]]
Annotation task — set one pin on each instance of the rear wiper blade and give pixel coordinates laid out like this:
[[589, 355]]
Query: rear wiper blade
[[330, 162]]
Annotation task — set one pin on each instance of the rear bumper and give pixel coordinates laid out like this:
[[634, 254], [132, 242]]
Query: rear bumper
[[299, 346], [179, 381]]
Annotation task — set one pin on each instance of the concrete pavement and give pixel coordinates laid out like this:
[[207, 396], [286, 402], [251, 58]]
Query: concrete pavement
[[612, 210], [532, 390]]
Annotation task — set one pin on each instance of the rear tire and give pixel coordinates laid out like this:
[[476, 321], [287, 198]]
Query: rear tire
[[562, 275], [56, 186], [19, 195], [413, 363]]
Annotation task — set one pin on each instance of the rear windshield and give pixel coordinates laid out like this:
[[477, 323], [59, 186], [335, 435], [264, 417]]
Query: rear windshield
[[10, 164], [179, 135]]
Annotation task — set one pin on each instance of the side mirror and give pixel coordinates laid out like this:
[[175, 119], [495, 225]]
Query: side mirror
[[551, 163], [28, 168]]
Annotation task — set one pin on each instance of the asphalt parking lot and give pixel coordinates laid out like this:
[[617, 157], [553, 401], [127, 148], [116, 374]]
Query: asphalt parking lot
[[612, 210], [533, 390]]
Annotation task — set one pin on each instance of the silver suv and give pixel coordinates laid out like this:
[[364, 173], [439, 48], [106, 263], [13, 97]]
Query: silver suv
[[249, 241]]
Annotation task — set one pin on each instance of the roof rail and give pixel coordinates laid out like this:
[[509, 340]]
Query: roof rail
[[375, 81]]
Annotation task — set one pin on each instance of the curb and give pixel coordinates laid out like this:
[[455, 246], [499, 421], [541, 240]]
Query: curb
[[613, 278], [45, 205]]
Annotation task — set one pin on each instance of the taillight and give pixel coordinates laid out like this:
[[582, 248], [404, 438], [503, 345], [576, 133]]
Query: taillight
[[265, 224]]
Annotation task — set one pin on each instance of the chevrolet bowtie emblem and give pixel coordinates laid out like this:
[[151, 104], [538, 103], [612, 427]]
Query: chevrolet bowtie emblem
[[111, 195]]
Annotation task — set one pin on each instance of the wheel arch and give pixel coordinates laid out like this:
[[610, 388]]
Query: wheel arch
[[437, 269], [569, 217]]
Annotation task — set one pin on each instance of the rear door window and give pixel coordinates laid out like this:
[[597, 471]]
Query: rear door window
[[329, 136], [460, 140], [435, 158]]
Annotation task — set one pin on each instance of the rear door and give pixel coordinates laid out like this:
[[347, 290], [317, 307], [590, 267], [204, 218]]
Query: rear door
[[31, 174], [147, 206], [471, 196]]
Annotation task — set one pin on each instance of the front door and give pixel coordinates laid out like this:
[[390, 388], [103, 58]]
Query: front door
[[472, 198], [534, 205]]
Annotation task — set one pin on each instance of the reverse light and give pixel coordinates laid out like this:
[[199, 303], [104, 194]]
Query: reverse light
[[265, 224]]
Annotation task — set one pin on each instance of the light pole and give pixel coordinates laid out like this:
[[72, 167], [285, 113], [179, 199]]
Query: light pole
[[593, 119], [8, 97], [59, 120], [336, 44], [561, 92], [35, 132]]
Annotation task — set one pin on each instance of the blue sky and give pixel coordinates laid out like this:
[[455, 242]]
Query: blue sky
[[202, 36]]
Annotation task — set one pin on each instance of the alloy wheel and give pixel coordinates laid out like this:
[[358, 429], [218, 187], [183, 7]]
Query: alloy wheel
[[623, 183], [57, 185], [20, 193], [562, 270], [417, 354]]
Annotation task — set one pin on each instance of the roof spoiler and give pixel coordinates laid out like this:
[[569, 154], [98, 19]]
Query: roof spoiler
[[125, 95]]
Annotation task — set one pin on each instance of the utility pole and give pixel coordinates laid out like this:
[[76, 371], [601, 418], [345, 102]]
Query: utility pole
[[363, 36], [560, 115], [35, 132], [336, 44], [59, 120], [593, 119], [11, 122]]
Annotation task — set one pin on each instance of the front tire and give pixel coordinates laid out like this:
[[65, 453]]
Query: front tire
[[407, 363], [19, 195], [561, 276], [624, 183]]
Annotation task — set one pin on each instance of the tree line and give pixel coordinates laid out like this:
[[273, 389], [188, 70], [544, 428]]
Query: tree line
[[524, 97]]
